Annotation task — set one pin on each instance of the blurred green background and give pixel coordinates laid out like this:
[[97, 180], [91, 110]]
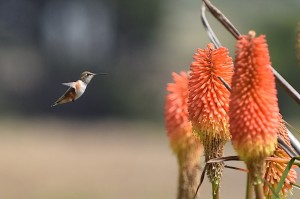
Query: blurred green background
[[111, 143]]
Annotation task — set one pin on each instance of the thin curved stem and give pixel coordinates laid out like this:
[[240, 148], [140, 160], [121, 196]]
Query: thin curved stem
[[295, 142], [230, 27], [212, 36], [286, 86], [222, 19]]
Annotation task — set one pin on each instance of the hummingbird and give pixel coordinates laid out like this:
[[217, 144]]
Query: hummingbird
[[76, 89]]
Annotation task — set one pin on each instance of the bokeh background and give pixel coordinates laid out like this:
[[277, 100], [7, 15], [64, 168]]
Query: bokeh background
[[111, 143]]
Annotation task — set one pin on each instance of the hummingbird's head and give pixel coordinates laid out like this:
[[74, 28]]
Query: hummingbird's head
[[87, 76]]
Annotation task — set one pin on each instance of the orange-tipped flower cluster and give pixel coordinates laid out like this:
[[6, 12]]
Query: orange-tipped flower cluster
[[184, 144], [254, 108], [208, 104], [179, 128], [209, 98], [274, 170]]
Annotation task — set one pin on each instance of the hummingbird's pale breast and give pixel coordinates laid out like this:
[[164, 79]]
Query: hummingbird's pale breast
[[80, 87]]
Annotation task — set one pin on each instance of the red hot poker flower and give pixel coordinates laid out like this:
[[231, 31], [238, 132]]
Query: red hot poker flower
[[208, 103], [209, 98], [253, 108], [186, 146], [176, 111]]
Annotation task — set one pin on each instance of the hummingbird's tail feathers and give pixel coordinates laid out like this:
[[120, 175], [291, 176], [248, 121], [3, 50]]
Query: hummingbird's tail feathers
[[70, 84], [60, 101], [55, 104], [69, 96]]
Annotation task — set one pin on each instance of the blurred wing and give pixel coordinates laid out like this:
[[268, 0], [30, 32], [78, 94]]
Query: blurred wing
[[70, 84]]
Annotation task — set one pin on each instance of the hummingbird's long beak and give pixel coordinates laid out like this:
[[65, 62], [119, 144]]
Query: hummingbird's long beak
[[100, 73]]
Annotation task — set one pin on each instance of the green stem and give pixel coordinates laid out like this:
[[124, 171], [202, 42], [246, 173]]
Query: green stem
[[215, 189], [259, 192], [256, 168], [249, 191]]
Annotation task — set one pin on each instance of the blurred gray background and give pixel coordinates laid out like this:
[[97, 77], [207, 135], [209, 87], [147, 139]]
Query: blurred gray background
[[111, 143], [139, 43]]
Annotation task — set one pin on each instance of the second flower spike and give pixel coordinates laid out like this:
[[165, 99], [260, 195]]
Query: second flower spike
[[208, 104]]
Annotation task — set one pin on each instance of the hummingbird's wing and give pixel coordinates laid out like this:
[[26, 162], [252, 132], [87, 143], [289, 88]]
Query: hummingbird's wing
[[70, 84], [68, 96]]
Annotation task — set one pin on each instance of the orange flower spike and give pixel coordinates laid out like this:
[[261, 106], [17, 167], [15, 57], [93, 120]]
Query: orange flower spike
[[179, 129], [274, 170], [208, 104], [176, 111], [254, 108], [208, 99]]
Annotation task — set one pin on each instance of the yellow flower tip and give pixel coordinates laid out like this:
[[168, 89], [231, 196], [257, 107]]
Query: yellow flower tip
[[253, 108], [208, 97], [179, 128], [252, 33], [274, 170]]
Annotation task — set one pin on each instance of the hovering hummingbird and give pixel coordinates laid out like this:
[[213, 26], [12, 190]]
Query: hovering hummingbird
[[76, 88]]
